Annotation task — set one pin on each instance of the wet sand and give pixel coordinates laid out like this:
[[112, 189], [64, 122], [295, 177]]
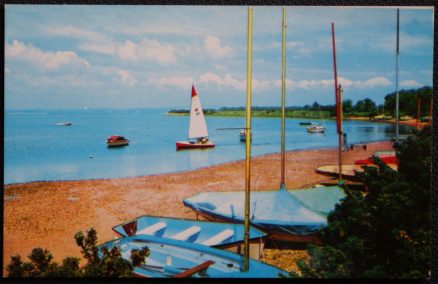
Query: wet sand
[[48, 214]]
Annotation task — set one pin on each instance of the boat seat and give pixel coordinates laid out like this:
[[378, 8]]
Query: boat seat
[[153, 229], [198, 268], [219, 238], [187, 233]]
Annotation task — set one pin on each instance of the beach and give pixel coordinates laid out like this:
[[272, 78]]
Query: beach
[[47, 214]]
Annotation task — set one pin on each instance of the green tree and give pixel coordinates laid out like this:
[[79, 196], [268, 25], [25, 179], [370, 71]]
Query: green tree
[[347, 106], [408, 101], [109, 263], [366, 105], [385, 233]]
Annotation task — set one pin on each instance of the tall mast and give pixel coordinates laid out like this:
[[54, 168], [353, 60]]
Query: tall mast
[[396, 77], [338, 104], [283, 95], [248, 140]]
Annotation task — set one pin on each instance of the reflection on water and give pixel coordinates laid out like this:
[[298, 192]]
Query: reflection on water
[[37, 149]]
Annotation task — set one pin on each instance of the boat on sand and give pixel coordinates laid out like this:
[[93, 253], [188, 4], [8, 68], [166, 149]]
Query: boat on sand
[[178, 259], [219, 235]]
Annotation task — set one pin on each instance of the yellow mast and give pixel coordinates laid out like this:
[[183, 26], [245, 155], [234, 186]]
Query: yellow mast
[[248, 141], [283, 95]]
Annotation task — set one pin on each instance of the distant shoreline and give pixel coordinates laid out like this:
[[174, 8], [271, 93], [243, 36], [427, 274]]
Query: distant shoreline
[[262, 113]]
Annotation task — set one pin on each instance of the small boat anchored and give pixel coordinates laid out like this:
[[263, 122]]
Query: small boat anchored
[[315, 128], [116, 141], [64, 123], [198, 133]]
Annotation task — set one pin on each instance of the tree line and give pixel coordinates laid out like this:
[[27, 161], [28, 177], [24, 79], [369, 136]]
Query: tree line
[[409, 100]]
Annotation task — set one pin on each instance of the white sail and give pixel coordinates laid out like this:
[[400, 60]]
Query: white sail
[[198, 127]]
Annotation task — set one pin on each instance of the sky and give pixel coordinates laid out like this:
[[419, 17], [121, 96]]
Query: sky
[[85, 56]]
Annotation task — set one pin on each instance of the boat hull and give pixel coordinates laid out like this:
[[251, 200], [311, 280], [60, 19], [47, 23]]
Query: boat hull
[[385, 159], [117, 143], [285, 215], [272, 233], [348, 171], [315, 130], [193, 145], [219, 235], [171, 258]]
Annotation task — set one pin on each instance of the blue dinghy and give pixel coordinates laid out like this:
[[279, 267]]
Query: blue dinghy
[[287, 215], [220, 235], [175, 258]]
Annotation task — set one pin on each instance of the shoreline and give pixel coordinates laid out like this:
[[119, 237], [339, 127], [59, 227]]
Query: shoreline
[[47, 214]]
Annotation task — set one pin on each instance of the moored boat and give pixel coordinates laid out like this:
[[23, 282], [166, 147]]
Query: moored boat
[[198, 133], [315, 128], [175, 258], [116, 141], [219, 235], [64, 123]]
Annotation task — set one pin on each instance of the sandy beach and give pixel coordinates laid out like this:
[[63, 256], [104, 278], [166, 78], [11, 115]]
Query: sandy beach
[[48, 214]]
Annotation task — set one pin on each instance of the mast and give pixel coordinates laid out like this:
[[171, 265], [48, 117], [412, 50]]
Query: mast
[[396, 77], [338, 104], [248, 141], [418, 111], [283, 95]]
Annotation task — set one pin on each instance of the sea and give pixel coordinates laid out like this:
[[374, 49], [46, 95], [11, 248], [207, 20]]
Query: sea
[[36, 149]]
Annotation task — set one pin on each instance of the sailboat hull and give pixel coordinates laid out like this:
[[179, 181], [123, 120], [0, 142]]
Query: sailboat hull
[[193, 145]]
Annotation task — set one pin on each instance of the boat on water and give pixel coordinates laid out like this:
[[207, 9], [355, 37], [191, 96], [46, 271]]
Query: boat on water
[[242, 135], [64, 123], [219, 235], [315, 128], [177, 259], [116, 141], [198, 133], [285, 215], [306, 123]]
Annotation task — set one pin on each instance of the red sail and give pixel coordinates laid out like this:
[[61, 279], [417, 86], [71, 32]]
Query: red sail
[[193, 91], [337, 94]]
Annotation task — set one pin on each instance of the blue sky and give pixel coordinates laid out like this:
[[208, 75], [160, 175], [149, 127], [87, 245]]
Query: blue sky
[[77, 56]]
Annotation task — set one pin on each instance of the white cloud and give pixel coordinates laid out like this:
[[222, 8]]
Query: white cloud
[[43, 59], [99, 48], [171, 81], [151, 50], [374, 82], [410, 83], [211, 78], [214, 48], [127, 78], [128, 50], [70, 31]]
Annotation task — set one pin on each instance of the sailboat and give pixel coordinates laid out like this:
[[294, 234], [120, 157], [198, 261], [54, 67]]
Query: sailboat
[[198, 133], [316, 127], [286, 215]]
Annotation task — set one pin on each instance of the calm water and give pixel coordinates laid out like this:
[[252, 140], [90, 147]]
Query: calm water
[[37, 149]]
